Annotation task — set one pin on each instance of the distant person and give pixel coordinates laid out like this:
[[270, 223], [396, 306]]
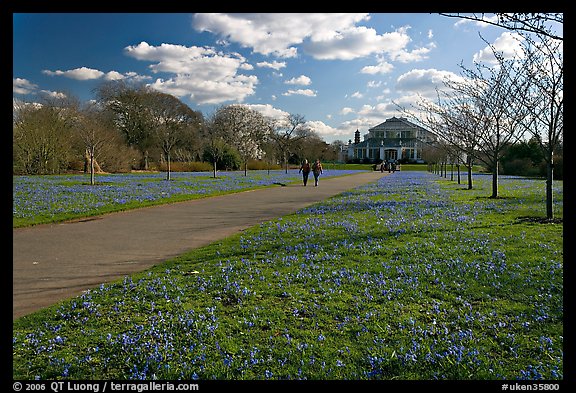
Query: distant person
[[317, 171], [305, 170], [382, 167]]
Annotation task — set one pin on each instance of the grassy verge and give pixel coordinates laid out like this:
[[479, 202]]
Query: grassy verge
[[412, 277], [50, 199]]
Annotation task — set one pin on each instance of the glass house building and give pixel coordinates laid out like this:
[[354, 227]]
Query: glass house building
[[397, 139]]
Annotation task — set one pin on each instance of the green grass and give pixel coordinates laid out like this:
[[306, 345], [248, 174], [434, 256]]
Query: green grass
[[57, 198], [413, 277]]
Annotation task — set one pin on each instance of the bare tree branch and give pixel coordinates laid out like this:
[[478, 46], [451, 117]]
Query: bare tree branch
[[537, 23]]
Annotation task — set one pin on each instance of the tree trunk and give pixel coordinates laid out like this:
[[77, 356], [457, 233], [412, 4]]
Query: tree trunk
[[458, 171], [88, 164], [167, 166], [549, 182], [469, 167], [92, 177], [215, 168], [495, 180]]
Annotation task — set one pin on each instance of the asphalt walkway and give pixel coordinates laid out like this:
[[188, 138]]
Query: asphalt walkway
[[58, 261]]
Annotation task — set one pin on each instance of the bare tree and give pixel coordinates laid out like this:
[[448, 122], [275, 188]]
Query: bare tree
[[129, 105], [214, 133], [171, 121], [94, 133], [497, 93], [271, 152], [41, 137], [544, 68], [287, 132], [457, 120]]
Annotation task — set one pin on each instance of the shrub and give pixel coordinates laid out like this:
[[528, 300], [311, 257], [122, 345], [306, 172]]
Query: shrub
[[262, 165], [193, 166]]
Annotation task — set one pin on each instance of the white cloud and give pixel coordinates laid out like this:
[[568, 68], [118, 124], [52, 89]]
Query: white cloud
[[477, 23], [269, 111], [113, 76], [323, 129], [430, 34], [346, 110], [414, 55], [357, 94], [276, 65], [204, 75], [53, 94], [82, 73], [133, 76], [508, 44], [326, 36], [302, 80], [379, 111], [355, 42], [382, 68], [302, 92], [276, 33], [373, 84], [167, 53], [424, 82], [23, 86], [236, 88]]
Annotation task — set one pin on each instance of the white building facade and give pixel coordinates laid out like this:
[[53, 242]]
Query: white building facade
[[397, 139]]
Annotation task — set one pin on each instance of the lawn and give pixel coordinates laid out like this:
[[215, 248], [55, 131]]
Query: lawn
[[412, 278], [47, 199]]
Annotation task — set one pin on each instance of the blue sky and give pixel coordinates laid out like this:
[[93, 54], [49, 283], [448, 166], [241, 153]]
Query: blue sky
[[342, 72]]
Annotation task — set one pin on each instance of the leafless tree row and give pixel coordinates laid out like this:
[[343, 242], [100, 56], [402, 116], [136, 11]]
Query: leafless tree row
[[127, 125], [493, 106]]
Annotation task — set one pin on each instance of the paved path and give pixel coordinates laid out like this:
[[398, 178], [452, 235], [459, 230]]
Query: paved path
[[57, 261]]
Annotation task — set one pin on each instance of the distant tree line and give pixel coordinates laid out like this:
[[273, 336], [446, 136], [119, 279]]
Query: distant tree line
[[133, 127]]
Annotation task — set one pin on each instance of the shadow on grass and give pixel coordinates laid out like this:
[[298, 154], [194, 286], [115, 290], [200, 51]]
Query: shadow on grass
[[540, 220]]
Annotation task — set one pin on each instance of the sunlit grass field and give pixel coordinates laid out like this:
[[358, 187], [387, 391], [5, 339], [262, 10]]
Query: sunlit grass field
[[411, 278], [47, 199]]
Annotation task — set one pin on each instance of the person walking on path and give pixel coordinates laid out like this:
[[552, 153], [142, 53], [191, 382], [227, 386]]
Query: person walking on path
[[305, 169], [317, 171]]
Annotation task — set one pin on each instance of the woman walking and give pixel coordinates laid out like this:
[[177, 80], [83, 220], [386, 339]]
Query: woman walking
[[305, 169], [317, 171]]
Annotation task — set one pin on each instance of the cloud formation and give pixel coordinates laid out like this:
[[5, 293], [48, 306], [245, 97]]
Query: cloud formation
[[302, 80], [327, 36], [302, 92], [23, 86], [508, 44], [81, 74], [424, 82], [275, 33], [202, 74], [323, 129]]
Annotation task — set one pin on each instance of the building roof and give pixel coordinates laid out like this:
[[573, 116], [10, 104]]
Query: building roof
[[395, 121]]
